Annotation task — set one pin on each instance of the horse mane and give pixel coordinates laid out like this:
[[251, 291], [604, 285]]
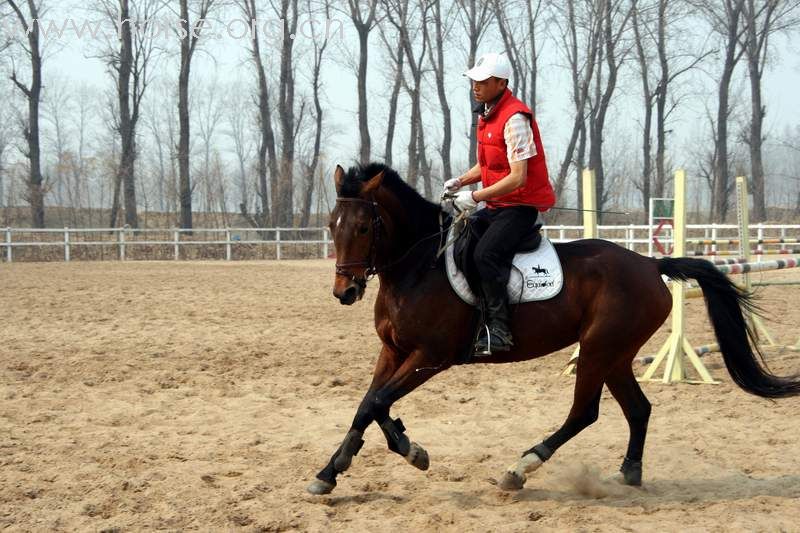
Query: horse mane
[[426, 214]]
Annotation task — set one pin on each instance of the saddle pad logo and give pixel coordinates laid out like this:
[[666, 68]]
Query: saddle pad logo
[[538, 278]]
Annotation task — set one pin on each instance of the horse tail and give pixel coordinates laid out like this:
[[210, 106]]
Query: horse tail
[[725, 303]]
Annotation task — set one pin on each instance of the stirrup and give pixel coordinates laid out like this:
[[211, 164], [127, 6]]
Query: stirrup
[[488, 351]]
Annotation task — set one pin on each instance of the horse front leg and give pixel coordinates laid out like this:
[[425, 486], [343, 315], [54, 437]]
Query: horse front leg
[[390, 383], [365, 414], [416, 370]]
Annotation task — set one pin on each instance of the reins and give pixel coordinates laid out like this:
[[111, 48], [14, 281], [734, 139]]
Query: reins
[[370, 268]]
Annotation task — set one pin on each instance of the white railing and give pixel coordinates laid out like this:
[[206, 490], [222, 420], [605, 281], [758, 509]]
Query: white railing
[[280, 243]]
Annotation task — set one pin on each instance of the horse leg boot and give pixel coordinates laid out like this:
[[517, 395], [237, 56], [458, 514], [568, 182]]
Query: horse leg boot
[[343, 456], [584, 412], [398, 442]]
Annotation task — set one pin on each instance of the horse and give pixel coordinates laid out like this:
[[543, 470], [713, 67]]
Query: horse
[[612, 302]]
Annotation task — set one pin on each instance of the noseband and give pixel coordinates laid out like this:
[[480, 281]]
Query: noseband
[[370, 269]]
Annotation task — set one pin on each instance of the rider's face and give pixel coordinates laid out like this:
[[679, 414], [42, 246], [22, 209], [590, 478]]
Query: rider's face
[[488, 89]]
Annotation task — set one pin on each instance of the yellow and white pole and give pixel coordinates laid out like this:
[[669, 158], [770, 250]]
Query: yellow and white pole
[[589, 193], [743, 216], [677, 345]]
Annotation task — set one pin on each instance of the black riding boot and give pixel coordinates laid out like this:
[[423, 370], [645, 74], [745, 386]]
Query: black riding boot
[[498, 317]]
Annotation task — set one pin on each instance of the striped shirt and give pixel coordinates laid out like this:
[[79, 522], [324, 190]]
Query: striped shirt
[[519, 138]]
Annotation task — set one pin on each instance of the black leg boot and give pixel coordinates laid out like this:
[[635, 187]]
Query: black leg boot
[[496, 336]]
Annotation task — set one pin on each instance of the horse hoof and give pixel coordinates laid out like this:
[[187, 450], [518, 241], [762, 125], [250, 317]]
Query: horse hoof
[[631, 473], [319, 487], [418, 457], [511, 481]]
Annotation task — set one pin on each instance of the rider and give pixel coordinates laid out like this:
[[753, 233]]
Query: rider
[[511, 167]]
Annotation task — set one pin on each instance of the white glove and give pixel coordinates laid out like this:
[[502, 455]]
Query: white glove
[[464, 201], [452, 185]]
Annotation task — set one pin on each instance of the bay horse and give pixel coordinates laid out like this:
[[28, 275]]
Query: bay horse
[[612, 301]]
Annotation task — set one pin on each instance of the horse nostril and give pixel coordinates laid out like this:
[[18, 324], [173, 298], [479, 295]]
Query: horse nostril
[[350, 295]]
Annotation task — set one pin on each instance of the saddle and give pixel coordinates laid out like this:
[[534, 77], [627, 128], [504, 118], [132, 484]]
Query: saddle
[[535, 272]]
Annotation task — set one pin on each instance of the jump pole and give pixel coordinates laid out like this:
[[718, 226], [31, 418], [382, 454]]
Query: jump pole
[[743, 216], [589, 232], [677, 346]]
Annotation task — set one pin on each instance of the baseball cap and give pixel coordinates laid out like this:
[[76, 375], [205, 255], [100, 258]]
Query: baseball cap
[[488, 65]]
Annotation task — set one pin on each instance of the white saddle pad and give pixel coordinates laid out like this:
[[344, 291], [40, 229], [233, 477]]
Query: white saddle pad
[[535, 275]]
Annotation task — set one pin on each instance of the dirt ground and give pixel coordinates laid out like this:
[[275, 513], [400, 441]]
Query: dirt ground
[[176, 396]]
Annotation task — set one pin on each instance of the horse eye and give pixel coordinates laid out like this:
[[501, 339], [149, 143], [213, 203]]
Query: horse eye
[[363, 230]]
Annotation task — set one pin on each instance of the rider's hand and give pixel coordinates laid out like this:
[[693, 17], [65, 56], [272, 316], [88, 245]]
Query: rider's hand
[[464, 201], [452, 185]]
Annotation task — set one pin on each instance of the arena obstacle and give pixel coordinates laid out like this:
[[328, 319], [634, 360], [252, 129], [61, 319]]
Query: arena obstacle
[[741, 265], [677, 346], [589, 193]]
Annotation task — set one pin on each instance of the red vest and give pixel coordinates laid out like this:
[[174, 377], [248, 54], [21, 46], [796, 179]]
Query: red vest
[[493, 159]]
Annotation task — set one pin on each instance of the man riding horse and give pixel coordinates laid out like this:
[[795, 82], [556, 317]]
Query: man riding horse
[[512, 168]]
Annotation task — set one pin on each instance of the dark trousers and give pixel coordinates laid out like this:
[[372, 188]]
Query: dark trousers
[[507, 227]]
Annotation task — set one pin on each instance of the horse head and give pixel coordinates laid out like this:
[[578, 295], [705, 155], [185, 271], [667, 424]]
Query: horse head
[[357, 229]]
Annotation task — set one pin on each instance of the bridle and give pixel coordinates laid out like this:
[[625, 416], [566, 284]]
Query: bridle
[[370, 269]]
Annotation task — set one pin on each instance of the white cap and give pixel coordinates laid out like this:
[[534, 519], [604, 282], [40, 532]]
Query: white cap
[[489, 65]]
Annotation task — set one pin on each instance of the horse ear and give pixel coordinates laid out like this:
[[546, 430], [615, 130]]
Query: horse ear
[[338, 178], [373, 183]]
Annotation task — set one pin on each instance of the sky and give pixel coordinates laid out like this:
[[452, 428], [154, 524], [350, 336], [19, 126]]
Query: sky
[[75, 60]]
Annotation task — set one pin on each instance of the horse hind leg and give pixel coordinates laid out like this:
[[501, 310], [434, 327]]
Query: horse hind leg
[[584, 412], [628, 393]]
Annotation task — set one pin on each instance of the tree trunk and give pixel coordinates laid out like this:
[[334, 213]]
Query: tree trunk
[[363, 122], [267, 159], [721, 179], [756, 142], [392, 119], [647, 98], [126, 124], [437, 60], [185, 185], [33, 95], [732, 56], [284, 211], [661, 102]]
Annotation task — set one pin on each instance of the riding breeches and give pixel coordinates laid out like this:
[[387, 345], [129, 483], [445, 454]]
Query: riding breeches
[[507, 227]]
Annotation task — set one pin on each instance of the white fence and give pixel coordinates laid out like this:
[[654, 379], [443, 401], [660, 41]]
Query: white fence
[[280, 243]]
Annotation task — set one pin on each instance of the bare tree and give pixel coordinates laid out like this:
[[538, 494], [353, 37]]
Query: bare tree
[[519, 40], [190, 33], [129, 59], [397, 56], [82, 125], [267, 158], [28, 16], [474, 16], [282, 199], [725, 19], [579, 28], [363, 14], [408, 20], [5, 141], [614, 17], [310, 169], [661, 61], [441, 29], [761, 19], [208, 116], [239, 131], [57, 106]]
